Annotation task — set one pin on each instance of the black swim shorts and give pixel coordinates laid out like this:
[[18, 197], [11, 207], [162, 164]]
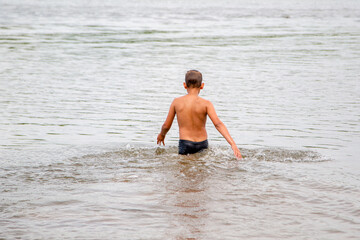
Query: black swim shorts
[[189, 147]]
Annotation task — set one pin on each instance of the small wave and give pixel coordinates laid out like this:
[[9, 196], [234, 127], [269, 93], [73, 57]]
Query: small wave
[[284, 155]]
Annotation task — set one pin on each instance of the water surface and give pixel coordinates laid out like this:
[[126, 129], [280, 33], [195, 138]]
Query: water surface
[[85, 87]]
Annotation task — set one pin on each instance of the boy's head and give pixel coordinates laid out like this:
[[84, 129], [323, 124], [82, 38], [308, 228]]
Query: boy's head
[[193, 79]]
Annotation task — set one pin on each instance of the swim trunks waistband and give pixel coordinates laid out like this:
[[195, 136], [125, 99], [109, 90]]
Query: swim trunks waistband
[[190, 147]]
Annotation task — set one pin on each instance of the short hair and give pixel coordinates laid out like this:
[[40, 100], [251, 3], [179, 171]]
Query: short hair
[[193, 79]]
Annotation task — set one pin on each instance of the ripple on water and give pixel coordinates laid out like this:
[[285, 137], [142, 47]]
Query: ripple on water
[[196, 193]]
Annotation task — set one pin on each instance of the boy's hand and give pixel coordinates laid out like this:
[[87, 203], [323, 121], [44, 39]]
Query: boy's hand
[[160, 139], [236, 151]]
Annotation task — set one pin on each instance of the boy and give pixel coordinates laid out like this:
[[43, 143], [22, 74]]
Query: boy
[[192, 111]]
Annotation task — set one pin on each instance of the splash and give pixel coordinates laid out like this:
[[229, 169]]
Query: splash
[[214, 153]]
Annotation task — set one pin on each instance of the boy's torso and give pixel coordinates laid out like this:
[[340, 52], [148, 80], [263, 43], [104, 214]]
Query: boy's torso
[[191, 113]]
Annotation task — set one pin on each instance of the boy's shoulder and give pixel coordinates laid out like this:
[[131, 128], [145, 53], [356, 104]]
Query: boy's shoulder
[[183, 98]]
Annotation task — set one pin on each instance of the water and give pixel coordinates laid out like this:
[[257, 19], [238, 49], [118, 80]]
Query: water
[[85, 87]]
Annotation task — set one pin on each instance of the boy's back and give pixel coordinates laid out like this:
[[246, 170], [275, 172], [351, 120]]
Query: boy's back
[[191, 113]]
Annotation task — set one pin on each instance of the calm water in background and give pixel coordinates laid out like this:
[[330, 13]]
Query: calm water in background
[[85, 87]]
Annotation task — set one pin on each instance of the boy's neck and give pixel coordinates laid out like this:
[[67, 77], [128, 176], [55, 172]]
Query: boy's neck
[[193, 91]]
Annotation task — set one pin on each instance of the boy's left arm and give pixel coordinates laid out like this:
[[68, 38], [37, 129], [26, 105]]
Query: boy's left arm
[[167, 124]]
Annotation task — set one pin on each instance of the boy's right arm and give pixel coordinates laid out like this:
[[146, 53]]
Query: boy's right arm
[[220, 126]]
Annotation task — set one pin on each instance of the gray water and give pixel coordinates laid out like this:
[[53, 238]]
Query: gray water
[[86, 85]]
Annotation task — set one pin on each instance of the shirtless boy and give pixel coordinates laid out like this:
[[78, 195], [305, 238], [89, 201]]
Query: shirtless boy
[[192, 111]]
